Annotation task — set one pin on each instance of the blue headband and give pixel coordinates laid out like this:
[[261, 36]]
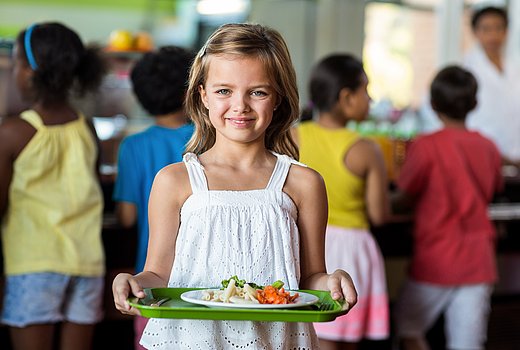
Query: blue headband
[[28, 49]]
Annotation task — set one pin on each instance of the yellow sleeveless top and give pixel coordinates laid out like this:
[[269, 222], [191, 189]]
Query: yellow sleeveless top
[[324, 150], [54, 215]]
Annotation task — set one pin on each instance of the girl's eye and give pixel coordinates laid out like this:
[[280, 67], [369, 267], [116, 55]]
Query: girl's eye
[[223, 92], [259, 93]]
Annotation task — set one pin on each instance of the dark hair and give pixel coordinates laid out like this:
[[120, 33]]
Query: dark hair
[[490, 10], [160, 79], [453, 92], [62, 61], [328, 78]]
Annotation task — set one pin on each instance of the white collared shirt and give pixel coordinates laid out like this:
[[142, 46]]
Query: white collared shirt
[[497, 114]]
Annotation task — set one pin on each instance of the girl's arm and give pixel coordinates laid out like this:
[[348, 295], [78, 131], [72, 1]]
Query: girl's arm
[[365, 159], [15, 134], [169, 191], [6, 168], [307, 189]]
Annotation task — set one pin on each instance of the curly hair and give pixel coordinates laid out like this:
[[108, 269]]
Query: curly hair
[[160, 79], [62, 62]]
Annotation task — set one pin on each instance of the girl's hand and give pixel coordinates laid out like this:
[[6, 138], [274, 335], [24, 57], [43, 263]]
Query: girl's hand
[[123, 286], [341, 287]]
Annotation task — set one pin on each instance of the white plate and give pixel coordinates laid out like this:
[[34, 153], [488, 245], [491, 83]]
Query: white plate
[[195, 297]]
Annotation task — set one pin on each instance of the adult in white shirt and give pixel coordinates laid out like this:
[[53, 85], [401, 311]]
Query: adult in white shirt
[[497, 114]]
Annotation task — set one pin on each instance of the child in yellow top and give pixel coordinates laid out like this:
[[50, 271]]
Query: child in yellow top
[[50, 200], [355, 177]]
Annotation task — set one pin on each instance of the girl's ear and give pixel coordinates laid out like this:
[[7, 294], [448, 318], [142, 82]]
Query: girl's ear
[[345, 97], [203, 96]]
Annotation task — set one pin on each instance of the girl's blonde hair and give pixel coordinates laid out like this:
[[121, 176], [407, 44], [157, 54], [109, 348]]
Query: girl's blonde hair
[[251, 40]]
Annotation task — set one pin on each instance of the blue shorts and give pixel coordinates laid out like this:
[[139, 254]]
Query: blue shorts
[[43, 298]]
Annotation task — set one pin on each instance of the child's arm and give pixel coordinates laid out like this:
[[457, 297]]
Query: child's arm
[[307, 189], [169, 191], [365, 159], [15, 134], [125, 195], [126, 213], [6, 168]]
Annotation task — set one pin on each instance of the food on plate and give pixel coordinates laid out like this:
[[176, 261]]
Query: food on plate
[[239, 291]]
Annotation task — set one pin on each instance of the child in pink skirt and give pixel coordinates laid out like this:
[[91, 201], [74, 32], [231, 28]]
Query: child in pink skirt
[[355, 176]]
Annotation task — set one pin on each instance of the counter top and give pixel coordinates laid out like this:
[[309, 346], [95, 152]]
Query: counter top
[[504, 211]]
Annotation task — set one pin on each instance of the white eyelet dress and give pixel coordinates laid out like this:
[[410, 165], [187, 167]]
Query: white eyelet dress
[[251, 234]]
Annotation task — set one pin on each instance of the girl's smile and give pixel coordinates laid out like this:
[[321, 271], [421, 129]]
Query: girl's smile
[[240, 122]]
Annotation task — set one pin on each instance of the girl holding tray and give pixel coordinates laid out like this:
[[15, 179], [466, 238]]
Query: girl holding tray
[[239, 203]]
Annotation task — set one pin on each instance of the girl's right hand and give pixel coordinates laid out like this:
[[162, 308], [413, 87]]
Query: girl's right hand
[[125, 285]]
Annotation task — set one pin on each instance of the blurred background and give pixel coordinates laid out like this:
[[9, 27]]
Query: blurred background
[[402, 44]]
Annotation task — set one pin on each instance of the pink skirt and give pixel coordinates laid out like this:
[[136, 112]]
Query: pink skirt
[[356, 251]]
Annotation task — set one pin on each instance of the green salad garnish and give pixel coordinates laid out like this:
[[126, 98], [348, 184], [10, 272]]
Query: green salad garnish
[[240, 283]]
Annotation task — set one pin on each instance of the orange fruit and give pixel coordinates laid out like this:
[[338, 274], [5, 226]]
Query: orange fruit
[[143, 42], [120, 40]]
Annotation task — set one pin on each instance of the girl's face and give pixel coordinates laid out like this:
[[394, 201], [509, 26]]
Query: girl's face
[[359, 101], [22, 73], [239, 97]]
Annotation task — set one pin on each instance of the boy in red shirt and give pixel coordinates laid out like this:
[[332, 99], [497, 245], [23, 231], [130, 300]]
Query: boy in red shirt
[[448, 178]]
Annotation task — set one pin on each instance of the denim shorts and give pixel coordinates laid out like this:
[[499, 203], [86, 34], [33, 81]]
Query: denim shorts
[[43, 298]]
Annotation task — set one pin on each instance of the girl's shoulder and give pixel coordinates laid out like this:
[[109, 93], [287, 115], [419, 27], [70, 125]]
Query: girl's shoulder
[[365, 147], [174, 178], [303, 174], [173, 172], [16, 133], [303, 182]]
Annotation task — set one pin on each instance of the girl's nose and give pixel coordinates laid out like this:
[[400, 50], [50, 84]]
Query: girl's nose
[[240, 104]]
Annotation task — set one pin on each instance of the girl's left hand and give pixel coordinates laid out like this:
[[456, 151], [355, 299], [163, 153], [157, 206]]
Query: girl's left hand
[[341, 287]]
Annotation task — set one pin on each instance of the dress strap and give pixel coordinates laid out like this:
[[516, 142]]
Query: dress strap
[[198, 180], [281, 169], [33, 118]]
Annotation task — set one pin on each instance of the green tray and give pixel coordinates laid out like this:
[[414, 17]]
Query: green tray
[[326, 309]]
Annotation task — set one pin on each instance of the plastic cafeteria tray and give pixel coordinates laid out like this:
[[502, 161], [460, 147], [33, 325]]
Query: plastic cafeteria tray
[[326, 309]]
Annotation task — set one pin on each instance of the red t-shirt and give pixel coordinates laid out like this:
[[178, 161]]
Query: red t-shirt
[[454, 174]]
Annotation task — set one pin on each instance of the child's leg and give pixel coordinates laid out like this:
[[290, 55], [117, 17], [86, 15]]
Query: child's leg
[[76, 336], [38, 337], [418, 343], [82, 309], [466, 317], [418, 306]]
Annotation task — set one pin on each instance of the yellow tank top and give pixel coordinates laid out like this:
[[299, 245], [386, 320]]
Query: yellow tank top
[[324, 150], [54, 215]]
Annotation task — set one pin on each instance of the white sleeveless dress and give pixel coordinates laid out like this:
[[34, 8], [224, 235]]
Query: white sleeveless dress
[[251, 234]]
